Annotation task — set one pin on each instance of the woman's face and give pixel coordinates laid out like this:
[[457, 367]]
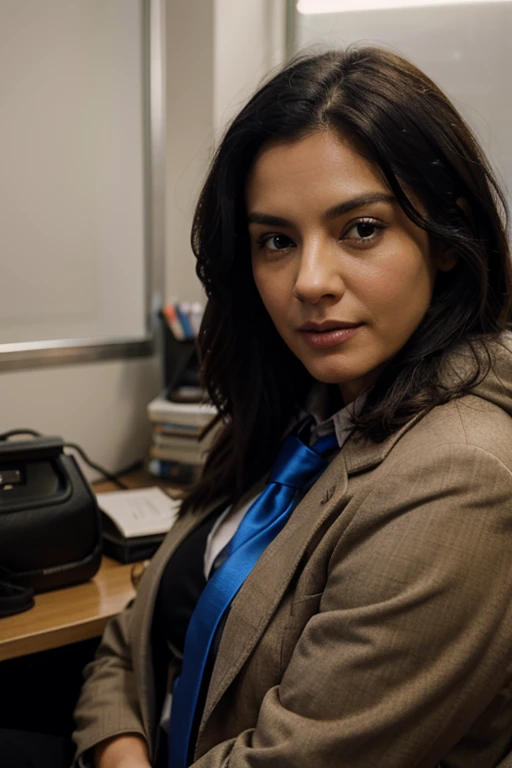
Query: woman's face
[[345, 276]]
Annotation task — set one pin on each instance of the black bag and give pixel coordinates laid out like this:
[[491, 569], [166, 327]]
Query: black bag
[[50, 527]]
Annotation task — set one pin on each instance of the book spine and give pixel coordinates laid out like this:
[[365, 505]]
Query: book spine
[[193, 421], [171, 470], [180, 456], [171, 428], [186, 443]]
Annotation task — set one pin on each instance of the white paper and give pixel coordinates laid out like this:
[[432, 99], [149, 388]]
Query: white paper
[[140, 512]]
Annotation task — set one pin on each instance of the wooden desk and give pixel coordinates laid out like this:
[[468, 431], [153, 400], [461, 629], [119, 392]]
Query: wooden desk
[[68, 615]]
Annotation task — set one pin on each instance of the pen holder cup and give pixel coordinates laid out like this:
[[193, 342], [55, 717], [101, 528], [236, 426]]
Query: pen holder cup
[[181, 363]]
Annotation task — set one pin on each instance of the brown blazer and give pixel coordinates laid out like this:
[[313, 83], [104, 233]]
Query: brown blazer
[[376, 630]]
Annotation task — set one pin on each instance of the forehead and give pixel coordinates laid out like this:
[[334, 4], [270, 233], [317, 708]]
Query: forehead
[[315, 169]]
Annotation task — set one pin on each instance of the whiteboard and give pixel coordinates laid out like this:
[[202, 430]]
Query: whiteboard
[[73, 240], [464, 48]]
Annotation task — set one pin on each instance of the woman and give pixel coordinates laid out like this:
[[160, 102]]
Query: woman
[[350, 240]]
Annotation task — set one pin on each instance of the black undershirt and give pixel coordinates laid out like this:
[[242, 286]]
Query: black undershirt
[[180, 588]]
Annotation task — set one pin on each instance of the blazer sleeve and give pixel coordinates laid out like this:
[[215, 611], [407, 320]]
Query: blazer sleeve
[[412, 638], [108, 704]]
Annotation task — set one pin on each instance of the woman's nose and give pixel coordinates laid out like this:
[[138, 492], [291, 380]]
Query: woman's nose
[[319, 273]]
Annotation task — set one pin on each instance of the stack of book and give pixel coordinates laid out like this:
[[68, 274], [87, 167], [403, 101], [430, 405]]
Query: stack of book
[[178, 451]]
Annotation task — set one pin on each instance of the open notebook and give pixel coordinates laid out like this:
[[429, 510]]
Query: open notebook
[[136, 521]]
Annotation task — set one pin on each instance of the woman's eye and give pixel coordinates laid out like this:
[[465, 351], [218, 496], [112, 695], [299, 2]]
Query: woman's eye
[[364, 230], [276, 242]]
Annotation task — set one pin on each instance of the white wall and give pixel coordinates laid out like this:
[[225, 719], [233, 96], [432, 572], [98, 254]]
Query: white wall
[[100, 406], [190, 79], [249, 42], [217, 51], [463, 47]]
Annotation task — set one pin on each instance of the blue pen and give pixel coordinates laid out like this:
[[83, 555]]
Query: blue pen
[[185, 322]]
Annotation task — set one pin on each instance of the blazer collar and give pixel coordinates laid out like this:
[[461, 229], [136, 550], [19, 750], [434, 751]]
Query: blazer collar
[[362, 454]]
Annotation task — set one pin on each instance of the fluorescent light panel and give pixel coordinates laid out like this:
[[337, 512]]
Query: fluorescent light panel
[[308, 7]]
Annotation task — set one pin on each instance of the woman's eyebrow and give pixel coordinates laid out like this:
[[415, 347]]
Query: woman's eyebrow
[[358, 201], [332, 213], [266, 218]]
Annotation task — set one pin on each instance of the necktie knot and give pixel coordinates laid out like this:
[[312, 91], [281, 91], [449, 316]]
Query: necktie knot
[[297, 465]]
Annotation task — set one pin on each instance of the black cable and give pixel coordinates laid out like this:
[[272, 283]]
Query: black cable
[[114, 478], [13, 432]]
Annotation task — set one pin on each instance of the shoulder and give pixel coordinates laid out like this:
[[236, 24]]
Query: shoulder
[[440, 499], [463, 424], [459, 452], [478, 421]]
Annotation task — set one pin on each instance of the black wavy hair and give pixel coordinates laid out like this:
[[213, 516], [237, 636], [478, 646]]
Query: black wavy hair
[[408, 129]]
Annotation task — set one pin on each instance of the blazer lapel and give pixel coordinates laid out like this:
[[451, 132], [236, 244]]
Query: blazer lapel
[[263, 589]]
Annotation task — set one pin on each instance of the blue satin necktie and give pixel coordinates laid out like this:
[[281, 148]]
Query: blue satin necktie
[[296, 467]]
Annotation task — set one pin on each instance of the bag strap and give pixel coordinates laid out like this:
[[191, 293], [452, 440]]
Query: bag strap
[[13, 597]]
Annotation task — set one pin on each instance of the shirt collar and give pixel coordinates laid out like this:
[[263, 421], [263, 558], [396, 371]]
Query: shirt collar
[[339, 422]]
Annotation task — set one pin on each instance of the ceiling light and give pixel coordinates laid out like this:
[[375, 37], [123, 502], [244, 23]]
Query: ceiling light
[[337, 6]]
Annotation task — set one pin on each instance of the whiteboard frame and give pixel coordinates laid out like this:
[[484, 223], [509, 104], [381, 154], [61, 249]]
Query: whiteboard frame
[[40, 354]]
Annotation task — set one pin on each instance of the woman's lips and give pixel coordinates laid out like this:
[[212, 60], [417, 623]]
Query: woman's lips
[[330, 338]]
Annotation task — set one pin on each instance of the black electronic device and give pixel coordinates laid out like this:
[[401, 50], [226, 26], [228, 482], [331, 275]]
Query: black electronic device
[[50, 526]]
